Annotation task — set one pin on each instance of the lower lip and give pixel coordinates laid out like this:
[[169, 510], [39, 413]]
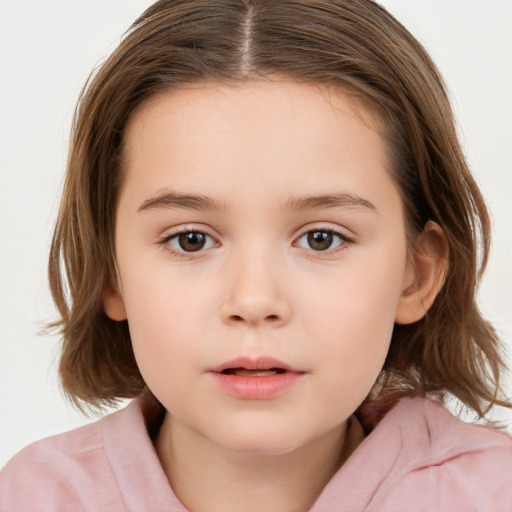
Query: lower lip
[[256, 388]]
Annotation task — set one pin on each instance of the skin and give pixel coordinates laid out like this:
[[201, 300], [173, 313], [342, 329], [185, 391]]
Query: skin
[[259, 287]]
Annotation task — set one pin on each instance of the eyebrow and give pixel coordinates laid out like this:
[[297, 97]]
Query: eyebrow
[[329, 201], [170, 199]]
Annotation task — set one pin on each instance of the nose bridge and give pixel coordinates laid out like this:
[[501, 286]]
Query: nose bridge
[[256, 291]]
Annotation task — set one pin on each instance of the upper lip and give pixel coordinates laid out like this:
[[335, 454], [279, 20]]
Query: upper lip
[[254, 363]]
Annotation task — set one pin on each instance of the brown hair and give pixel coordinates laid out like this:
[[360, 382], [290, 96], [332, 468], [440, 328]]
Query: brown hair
[[355, 45]]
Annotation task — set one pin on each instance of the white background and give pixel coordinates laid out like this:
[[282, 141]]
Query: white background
[[48, 48]]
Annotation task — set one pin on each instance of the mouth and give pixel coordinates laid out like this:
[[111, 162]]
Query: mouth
[[255, 379], [254, 367]]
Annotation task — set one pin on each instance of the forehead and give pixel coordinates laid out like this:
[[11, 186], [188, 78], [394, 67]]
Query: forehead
[[266, 136], [258, 94]]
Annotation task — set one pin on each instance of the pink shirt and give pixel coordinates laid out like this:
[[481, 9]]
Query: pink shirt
[[418, 458]]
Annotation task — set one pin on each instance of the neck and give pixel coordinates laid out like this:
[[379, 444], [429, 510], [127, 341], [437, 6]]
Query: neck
[[232, 481]]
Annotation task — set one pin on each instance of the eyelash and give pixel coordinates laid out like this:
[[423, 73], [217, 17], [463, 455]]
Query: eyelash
[[164, 242]]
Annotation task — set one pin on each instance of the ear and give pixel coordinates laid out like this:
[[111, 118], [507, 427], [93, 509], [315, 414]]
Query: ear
[[113, 303], [424, 276]]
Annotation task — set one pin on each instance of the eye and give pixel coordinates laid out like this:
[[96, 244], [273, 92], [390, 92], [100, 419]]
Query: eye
[[322, 240], [189, 241]]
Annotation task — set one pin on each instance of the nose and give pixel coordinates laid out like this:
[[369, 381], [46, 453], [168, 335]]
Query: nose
[[256, 293]]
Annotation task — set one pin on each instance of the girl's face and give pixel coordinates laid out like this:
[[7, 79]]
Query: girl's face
[[261, 251]]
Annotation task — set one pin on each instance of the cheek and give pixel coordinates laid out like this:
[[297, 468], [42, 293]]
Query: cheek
[[165, 346], [357, 335], [352, 318], [163, 318], [359, 299], [158, 295]]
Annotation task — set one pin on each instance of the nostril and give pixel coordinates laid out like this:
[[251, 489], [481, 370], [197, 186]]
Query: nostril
[[268, 318]]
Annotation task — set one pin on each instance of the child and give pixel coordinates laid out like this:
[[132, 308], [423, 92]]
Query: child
[[268, 237]]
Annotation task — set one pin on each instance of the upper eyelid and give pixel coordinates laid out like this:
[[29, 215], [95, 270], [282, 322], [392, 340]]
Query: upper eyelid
[[344, 238], [207, 231], [171, 232], [343, 232]]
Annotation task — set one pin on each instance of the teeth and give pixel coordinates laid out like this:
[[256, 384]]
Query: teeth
[[254, 373], [243, 372]]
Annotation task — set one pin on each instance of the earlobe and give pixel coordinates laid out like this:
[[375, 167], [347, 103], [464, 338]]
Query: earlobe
[[113, 303], [424, 276]]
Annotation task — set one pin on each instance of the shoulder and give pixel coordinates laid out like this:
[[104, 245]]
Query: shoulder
[[420, 458], [460, 464], [433, 434], [61, 472], [28, 484], [109, 465]]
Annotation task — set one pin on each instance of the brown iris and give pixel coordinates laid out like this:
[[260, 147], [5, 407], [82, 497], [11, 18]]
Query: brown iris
[[192, 241], [320, 240]]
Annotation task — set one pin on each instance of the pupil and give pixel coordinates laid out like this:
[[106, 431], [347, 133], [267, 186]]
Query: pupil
[[192, 241], [320, 240]]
